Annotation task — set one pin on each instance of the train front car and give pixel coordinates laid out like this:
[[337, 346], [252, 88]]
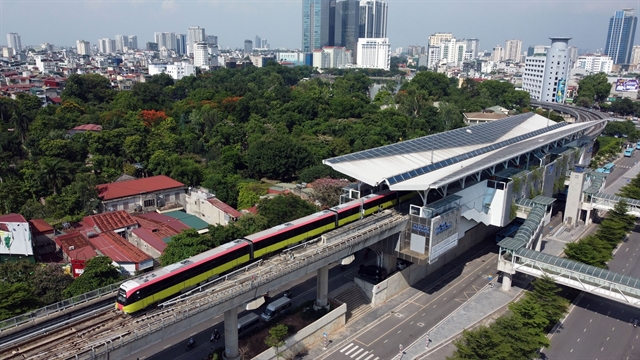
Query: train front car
[[162, 284], [284, 235]]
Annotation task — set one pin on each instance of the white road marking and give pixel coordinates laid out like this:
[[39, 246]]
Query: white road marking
[[571, 351], [601, 348], [591, 320], [357, 352], [585, 330], [363, 355], [578, 340], [613, 328], [412, 323], [350, 351], [607, 338], [399, 331], [385, 341], [435, 305], [346, 347], [369, 357]]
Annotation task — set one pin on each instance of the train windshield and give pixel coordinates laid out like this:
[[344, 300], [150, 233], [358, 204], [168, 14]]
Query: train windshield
[[122, 296]]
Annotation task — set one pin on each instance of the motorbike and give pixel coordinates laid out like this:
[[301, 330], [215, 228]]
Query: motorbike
[[287, 294], [215, 336], [191, 344]]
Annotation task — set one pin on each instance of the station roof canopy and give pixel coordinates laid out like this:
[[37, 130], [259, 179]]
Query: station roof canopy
[[436, 160]]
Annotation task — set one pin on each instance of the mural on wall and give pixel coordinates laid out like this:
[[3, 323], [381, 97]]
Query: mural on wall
[[562, 86]]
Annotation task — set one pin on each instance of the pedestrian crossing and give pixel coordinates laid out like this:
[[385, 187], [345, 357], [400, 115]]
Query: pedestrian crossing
[[357, 353]]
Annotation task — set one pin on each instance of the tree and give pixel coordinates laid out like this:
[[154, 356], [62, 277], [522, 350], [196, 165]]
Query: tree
[[184, 245], [545, 291], [276, 337], [50, 281], [523, 341], [327, 191], [590, 250], [284, 208], [277, 157], [532, 313], [17, 299], [481, 344], [98, 272], [54, 172], [593, 86]]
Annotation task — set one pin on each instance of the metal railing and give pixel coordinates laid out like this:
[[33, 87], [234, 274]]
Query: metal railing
[[59, 306], [241, 286]]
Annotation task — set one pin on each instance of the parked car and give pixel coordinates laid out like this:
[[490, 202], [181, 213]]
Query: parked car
[[372, 273]]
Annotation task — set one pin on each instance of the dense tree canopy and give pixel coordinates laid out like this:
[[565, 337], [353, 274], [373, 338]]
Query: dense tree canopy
[[592, 88]]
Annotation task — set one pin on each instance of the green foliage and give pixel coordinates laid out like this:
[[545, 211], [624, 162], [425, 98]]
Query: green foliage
[[521, 333], [316, 172], [98, 272], [593, 87], [276, 337], [284, 208], [186, 244], [619, 127], [277, 157], [249, 193]]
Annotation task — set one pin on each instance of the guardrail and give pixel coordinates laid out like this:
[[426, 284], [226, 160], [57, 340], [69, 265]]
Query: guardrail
[[59, 306], [242, 286]]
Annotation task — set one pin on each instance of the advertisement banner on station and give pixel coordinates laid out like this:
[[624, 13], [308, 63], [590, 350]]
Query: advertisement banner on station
[[627, 85], [443, 233]]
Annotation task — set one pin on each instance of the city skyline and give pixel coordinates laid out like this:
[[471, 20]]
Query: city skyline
[[587, 25]]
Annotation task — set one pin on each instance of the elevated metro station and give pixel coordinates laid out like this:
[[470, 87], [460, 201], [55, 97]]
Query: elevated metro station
[[471, 180]]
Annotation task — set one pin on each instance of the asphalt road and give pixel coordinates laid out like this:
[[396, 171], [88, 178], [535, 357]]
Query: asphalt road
[[303, 290], [381, 339], [598, 328]]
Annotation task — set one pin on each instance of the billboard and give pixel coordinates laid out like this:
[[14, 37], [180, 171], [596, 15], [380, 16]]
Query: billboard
[[626, 85], [562, 88], [443, 233]]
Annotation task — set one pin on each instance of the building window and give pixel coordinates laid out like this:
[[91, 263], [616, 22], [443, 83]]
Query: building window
[[149, 203]]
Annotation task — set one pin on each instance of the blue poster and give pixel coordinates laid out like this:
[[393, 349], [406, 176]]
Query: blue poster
[[562, 84]]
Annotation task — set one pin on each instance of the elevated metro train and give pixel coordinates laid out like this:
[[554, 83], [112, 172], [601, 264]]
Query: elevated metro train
[[142, 292]]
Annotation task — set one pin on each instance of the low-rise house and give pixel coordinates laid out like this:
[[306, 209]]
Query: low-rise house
[[203, 204], [85, 128], [142, 195], [15, 239], [475, 118]]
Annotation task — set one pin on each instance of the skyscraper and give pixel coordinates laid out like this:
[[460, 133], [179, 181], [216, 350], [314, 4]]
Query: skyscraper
[[622, 30], [195, 35], [248, 46], [347, 28], [181, 44], [545, 76], [472, 46], [373, 19], [121, 43], [165, 39], [14, 42], [106, 46], [258, 42], [132, 42], [83, 47], [437, 38], [316, 24], [212, 40], [513, 50], [201, 54]]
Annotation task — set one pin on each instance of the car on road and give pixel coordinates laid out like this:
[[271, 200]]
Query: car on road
[[372, 273]]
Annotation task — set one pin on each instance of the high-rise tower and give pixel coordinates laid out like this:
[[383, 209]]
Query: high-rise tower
[[316, 24], [622, 30], [373, 19], [14, 42]]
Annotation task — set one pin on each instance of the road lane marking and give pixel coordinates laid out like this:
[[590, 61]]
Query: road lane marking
[[613, 328], [578, 340], [607, 338], [363, 355], [346, 347], [385, 341], [412, 323], [356, 353], [370, 356], [399, 331], [591, 320], [585, 330], [602, 348], [353, 348]]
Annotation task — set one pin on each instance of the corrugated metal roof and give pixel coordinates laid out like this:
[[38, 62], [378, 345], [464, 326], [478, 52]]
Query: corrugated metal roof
[[576, 266], [189, 220], [408, 165]]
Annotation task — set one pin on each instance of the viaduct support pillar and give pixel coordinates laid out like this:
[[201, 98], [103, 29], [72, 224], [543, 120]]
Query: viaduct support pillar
[[389, 262], [322, 288], [506, 281], [231, 334]]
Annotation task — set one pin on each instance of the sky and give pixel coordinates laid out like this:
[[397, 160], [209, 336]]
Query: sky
[[62, 22]]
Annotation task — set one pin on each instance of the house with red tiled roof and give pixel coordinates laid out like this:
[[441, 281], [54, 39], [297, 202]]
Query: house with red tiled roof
[[154, 232], [203, 204], [42, 235], [142, 195], [123, 253], [15, 238], [85, 128], [75, 248], [119, 222]]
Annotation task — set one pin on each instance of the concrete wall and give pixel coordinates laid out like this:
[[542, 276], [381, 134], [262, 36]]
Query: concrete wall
[[310, 335], [399, 281]]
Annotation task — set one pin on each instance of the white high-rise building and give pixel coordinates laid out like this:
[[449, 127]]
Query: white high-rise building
[[121, 42], [332, 57], [201, 54], [452, 51], [177, 71], [14, 42], [83, 47], [106, 46], [595, 63], [437, 38], [497, 54], [132, 42], [433, 57], [545, 76], [373, 53], [195, 35], [473, 45], [512, 50], [165, 39], [635, 55]]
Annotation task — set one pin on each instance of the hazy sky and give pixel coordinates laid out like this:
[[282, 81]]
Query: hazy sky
[[62, 22]]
